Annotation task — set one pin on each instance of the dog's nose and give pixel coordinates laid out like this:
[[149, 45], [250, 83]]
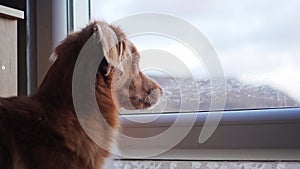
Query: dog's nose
[[156, 86], [161, 90]]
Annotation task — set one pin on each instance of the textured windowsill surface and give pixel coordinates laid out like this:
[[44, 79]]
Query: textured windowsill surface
[[200, 165]]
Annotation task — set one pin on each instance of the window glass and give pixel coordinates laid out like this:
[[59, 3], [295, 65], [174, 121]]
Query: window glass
[[257, 42]]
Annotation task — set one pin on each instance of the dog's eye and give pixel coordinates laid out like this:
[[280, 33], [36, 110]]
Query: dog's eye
[[132, 87]]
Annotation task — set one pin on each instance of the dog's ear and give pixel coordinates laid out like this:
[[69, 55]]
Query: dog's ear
[[113, 47]]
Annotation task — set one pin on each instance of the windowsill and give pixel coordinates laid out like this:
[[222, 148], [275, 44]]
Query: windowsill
[[221, 155], [271, 134]]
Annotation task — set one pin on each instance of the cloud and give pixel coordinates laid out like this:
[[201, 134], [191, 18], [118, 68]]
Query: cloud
[[234, 23]]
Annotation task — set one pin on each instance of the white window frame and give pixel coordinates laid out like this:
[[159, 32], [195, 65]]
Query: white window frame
[[260, 135], [266, 134], [79, 15]]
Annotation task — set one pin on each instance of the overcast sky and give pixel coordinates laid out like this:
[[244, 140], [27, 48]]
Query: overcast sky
[[257, 41]]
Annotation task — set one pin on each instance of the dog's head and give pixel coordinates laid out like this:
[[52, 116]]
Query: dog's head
[[120, 70], [118, 75]]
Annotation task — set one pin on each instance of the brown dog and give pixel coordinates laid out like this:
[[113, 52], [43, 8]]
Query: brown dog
[[43, 132]]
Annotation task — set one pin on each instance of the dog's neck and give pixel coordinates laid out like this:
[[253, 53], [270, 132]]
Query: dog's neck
[[55, 93], [56, 88]]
